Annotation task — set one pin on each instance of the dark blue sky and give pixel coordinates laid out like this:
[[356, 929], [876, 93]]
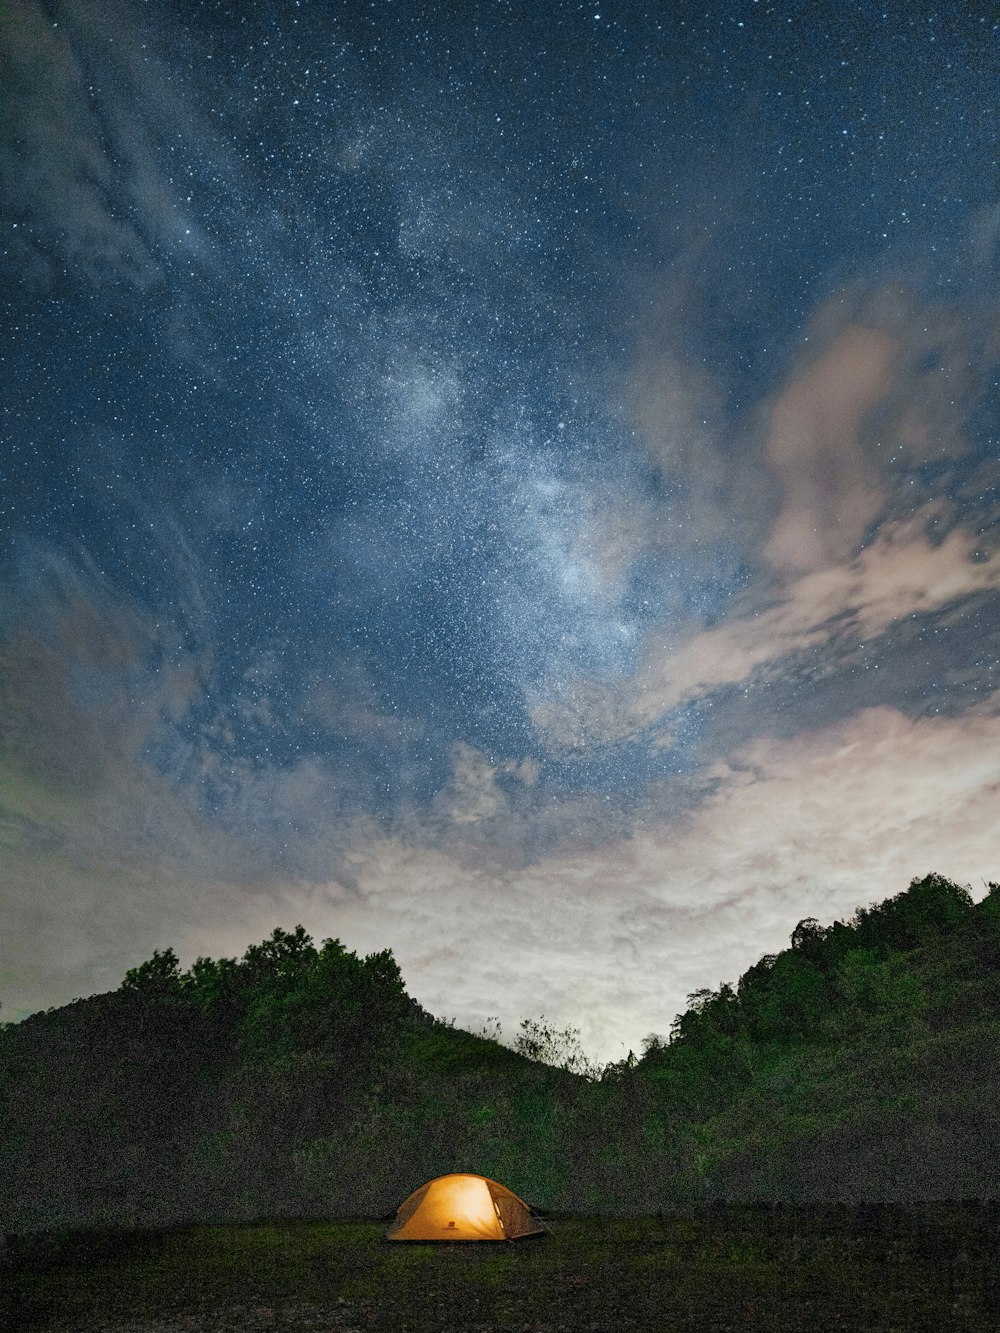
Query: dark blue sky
[[470, 428]]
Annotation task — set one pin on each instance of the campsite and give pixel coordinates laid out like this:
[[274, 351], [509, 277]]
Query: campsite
[[237, 1145]]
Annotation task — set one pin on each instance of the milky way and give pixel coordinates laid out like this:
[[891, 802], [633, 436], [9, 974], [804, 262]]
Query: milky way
[[513, 483]]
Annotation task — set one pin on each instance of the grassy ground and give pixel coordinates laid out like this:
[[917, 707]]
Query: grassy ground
[[733, 1268]]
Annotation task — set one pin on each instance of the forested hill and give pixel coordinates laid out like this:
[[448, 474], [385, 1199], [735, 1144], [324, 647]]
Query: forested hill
[[863, 1062], [295, 1081], [301, 1080]]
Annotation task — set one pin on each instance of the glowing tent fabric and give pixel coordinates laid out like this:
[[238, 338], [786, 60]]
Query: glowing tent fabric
[[463, 1207]]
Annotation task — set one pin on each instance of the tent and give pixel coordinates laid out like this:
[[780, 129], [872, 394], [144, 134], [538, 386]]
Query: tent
[[463, 1207]]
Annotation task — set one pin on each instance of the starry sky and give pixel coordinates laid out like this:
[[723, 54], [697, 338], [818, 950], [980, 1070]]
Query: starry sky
[[515, 483]]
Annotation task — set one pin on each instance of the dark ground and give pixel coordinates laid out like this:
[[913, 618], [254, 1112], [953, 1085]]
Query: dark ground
[[734, 1268]]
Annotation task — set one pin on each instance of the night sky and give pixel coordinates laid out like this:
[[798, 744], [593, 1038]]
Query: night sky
[[515, 483]]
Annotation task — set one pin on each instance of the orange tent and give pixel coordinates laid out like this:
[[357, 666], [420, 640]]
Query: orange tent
[[463, 1207]]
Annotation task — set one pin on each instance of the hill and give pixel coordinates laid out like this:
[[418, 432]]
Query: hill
[[861, 1063], [297, 1081]]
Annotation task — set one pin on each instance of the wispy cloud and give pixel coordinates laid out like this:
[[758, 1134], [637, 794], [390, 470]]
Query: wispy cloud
[[905, 572]]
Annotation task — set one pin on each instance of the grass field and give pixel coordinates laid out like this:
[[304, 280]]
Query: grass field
[[932, 1268]]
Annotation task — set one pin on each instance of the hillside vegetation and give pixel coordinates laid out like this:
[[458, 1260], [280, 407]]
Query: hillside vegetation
[[859, 1064]]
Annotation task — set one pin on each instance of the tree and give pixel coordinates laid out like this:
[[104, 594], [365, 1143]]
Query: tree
[[283, 953], [709, 1014], [538, 1039], [808, 937], [931, 906], [159, 978]]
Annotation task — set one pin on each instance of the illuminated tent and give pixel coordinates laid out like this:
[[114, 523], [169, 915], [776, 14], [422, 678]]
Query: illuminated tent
[[463, 1207]]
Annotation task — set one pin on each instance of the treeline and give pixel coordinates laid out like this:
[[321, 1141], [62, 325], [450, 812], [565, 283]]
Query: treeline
[[833, 982], [301, 1080]]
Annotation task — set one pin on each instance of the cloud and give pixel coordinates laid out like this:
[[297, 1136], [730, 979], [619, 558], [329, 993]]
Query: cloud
[[608, 935], [122, 754], [678, 411], [883, 385], [76, 661], [832, 489], [89, 682], [61, 182], [713, 498], [905, 572], [84, 176], [349, 708], [475, 793], [472, 794], [614, 936], [846, 502]]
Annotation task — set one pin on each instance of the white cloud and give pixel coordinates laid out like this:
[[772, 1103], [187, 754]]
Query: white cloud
[[903, 573]]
